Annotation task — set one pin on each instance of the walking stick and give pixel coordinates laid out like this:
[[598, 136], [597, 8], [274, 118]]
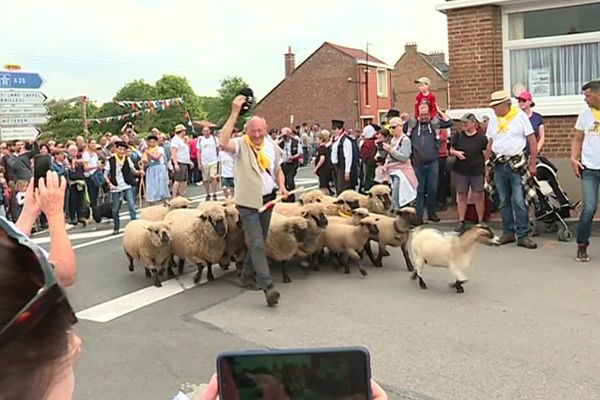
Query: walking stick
[[278, 199]]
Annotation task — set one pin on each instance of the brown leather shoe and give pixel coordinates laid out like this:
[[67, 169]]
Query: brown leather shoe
[[527, 243], [507, 238]]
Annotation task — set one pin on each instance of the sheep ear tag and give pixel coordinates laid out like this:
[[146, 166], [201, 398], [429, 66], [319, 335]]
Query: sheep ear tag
[[344, 214]]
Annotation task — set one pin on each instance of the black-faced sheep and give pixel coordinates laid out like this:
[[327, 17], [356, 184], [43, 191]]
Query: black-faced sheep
[[314, 214], [198, 237], [286, 235], [235, 249], [354, 217], [159, 211], [351, 199], [455, 252], [394, 232], [349, 241], [102, 210], [149, 242]]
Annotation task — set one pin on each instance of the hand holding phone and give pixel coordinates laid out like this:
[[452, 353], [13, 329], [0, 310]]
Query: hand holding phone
[[303, 373], [41, 165], [249, 94]]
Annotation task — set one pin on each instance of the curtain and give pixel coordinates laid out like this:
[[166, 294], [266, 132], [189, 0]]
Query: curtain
[[565, 68]]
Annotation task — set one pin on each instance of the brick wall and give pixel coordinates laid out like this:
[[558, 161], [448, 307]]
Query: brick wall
[[409, 67], [316, 92], [475, 47], [559, 134]]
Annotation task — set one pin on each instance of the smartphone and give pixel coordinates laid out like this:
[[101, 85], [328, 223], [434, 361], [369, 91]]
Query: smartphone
[[41, 165], [325, 373], [249, 100]]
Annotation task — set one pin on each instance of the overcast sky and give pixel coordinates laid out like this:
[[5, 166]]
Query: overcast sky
[[94, 47]]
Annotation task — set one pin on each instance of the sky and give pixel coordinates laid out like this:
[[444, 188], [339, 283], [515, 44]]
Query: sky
[[94, 47]]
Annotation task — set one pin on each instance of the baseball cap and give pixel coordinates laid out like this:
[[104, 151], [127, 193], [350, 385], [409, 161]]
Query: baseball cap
[[424, 80], [526, 96], [469, 117]]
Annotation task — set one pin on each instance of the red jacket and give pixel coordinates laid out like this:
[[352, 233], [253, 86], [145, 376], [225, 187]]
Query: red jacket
[[368, 151]]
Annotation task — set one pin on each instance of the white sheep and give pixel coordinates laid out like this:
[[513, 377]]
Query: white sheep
[[198, 237], [159, 211], [285, 236], [455, 252], [316, 196], [380, 199], [394, 232], [349, 241], [149, 242]]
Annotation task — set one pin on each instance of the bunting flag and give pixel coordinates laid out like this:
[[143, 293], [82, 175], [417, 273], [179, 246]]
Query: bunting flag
[[140, 107], [156, 104]]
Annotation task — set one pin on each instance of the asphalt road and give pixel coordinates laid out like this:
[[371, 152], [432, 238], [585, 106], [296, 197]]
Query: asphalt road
[[525, 328]]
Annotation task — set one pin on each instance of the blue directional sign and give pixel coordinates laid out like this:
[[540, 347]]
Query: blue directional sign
[[20, 80]]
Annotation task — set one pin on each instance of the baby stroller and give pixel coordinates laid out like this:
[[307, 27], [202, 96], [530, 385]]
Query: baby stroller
[[552, 205]]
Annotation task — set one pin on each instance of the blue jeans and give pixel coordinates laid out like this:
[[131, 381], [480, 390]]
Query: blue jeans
[[590, 182], [256, 226], [427, 176], [116, 206], [509, 184]]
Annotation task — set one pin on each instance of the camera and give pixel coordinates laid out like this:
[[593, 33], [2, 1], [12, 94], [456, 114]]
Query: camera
[[381, 154]]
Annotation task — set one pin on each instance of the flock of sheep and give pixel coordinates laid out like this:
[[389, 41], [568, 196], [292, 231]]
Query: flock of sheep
[[345, 226]]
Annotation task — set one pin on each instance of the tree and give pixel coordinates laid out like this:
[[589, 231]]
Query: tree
[[170, 86], [66, 120], [219, 109]]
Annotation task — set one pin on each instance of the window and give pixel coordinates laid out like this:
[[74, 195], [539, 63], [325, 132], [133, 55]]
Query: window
[[381, 83], [382, 115], [552, 52], [554, 22]]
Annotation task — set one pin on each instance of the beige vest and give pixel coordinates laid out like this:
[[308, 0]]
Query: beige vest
[[248, 178]]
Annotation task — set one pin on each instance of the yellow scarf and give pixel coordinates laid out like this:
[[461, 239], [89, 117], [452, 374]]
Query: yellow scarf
[[259, 150], [150, 151], [596, 114], [503, 122], [120, 160]]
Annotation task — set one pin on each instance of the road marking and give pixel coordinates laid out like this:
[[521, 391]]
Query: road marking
[[123, 305], [76, 236]]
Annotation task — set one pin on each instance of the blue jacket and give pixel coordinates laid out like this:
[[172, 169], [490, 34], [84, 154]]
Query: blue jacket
[[423, 137]]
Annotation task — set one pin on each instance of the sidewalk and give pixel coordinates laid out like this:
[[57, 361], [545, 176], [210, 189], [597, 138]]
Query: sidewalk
[[450, 215]]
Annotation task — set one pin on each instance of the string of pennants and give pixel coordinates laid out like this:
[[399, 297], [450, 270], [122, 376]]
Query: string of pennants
[[142, 107], [151, 104]]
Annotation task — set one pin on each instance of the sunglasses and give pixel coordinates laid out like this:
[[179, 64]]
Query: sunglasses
[[521, 100], [394, 126], [50, 296]]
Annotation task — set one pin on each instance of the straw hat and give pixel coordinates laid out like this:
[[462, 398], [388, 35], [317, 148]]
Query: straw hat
[[499, 97], [179, 128]]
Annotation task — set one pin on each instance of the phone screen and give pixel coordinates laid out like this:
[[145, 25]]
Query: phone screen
[[308, 374], [41, 165]]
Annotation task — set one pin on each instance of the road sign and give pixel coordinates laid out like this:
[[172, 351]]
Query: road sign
[[22, 109], [19, 120], [19, 133], [22, 97], [20, 80]]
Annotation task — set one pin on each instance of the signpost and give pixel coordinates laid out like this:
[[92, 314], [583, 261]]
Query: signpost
[[20, 80], [23, 120], [19, 133], [21, 105]]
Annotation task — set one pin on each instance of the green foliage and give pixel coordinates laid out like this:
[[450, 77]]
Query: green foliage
[[213, 109]]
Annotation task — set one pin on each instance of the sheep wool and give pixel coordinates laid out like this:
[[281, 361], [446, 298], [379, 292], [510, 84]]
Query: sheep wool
[[159, 211], [198, 237], [150, 243], [285, 236], [454, 252], [380, 199], [349, 240]]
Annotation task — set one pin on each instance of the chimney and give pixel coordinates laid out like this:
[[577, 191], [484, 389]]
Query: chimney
[[410, 47], [437, 56], [290, 62]]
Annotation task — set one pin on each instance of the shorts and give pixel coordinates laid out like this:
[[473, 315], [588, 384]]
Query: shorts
[[182, 175], [227, 182], [209, 171], [463, 182]]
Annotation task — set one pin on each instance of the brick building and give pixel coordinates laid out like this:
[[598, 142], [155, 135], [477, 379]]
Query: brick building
[[333, 82], [413, 65], [550, 48]]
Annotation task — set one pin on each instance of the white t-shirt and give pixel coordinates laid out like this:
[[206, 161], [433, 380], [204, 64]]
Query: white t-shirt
[[121, 184], [207, 147], [267, 178], [92, 160], [227, 165], [512, 142], [347, 153], [183, 150], [590, 152]]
